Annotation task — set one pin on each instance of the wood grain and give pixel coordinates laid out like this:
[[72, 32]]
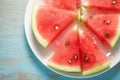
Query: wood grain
[[17, 62]]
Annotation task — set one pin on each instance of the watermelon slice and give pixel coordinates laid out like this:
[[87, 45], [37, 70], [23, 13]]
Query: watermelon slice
[[65, 4], [105, 26], [111, 5], [49, 22], [92, 58], [66, 57]]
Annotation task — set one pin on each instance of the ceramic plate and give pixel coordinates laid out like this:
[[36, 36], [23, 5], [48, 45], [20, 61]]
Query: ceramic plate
[[44, 54]]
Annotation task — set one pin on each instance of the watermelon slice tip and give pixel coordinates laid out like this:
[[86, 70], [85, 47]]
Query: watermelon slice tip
[[85, 5]]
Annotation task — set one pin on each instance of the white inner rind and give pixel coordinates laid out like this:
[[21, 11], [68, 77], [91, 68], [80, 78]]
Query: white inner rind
[[38, 36], [117, 34], [96, 69], [64, 68]]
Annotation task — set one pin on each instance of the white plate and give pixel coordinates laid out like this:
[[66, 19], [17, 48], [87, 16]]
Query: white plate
[[44, 54]]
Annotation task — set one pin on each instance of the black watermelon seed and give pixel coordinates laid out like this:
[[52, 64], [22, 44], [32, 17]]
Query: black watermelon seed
[[86, 58], [69, 61], [107, 35], [114, 2], [75, 56], [78, 5], [67, 43]]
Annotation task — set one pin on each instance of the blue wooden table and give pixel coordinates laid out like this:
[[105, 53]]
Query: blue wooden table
[[17, 61]]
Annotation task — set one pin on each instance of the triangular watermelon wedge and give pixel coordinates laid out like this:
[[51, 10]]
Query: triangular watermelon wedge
[[105, 26], [66, 57], [111, 5], [49, 22], [93, 60], [65, 4]]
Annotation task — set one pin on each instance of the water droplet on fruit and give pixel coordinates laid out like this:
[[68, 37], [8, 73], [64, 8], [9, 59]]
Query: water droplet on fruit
[[78, 5], [114, 2], [67, 43], [69, 61], [107, 22], [56, 27], [86, 58], [107, 35], [75, 56]]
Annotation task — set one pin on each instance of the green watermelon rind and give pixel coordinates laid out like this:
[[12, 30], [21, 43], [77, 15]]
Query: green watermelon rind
[[65, 68], [96, 69], [37, 35], [116, 39]]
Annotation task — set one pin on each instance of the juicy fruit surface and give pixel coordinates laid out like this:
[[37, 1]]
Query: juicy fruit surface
[[106, 27], [91, 56], [77, 52], [50, 21], [65, 4], [112, 5], [66, 57]]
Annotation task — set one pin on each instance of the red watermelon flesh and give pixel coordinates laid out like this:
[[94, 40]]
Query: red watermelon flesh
[[93, 60], [112, 5], [49, 22], [66, 57], [65, 4], [105, 26]]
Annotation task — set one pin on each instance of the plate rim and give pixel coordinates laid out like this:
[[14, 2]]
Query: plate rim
[[26, 16]]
